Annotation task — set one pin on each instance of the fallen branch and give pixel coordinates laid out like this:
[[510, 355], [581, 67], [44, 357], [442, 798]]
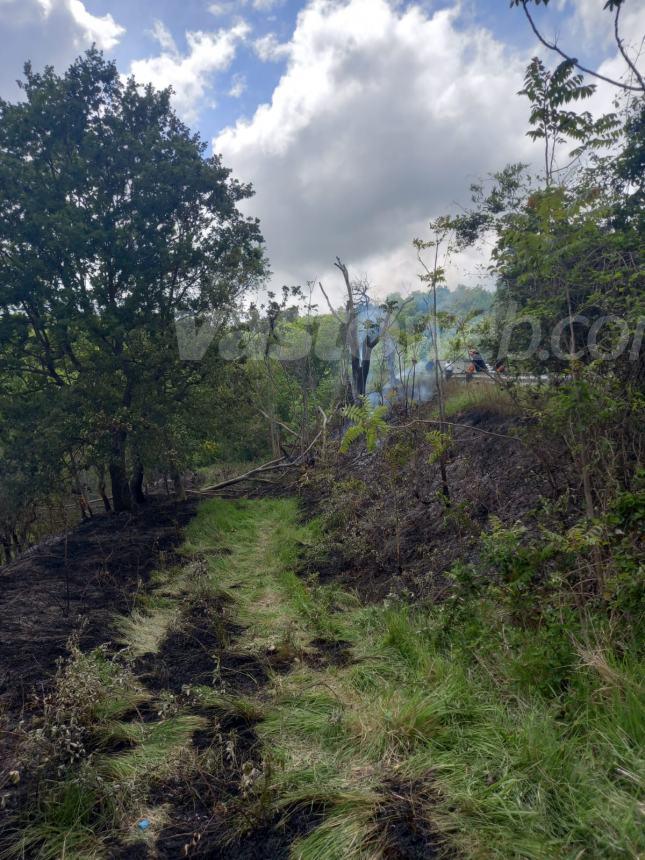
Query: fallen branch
[[272, 465], [278, 422], [265, 467]]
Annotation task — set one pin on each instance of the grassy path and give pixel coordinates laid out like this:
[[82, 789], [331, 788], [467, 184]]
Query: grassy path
[[275, 717], [408, 751]]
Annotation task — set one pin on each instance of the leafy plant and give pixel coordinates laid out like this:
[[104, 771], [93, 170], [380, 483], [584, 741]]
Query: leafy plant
[[368, 421]]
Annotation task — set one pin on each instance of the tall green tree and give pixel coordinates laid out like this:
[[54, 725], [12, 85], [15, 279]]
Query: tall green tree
[[113, 223]]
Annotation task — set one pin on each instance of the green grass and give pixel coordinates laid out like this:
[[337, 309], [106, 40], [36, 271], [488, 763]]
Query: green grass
[[498, 769], [511, 775], [157, 748], [462, 396], [64, 825]]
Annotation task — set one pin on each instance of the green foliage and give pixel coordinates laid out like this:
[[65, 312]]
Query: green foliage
[[440, 444], [368, 421], [549, 94], [113, 224]]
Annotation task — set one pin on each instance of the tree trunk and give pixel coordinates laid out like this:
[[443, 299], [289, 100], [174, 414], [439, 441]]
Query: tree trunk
[[357, 377], [351, 332], [439, 383], [5, 542], [136, 484], [368, 346], [585, 470], [83, 502], [180, 492], [121, 498], [100, 472], [365, 372]]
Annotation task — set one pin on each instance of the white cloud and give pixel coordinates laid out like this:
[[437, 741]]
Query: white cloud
[[226, 7], [229, 7], [238, 86], [50, 32], [161, 34], [266, 5], [596, 24], [100, 29], [381, 121], [268, 48], [190, 74]]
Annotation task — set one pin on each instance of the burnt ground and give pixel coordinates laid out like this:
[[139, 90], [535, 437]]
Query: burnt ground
[[86, 576], [202, 806], [407, 831], [79, 583], [201, 650], [493, 470], [73, 584]]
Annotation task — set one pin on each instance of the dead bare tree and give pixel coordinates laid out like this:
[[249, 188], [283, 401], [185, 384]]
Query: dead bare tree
[[359, 350], [349, 326]]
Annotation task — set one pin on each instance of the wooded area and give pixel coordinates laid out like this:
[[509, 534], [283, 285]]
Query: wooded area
[[325, 578]]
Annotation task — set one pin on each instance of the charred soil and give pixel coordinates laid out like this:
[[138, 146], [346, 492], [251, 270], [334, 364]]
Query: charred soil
[[389, 527]]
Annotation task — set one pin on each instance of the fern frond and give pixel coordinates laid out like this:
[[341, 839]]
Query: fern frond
[[367, 421]]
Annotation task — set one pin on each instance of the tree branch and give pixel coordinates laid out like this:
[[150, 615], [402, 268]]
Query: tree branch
[[462, 427], [628, 60], [329, 303], [553, 47]]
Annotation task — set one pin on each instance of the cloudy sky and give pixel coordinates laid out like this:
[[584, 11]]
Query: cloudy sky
[[356, 120]]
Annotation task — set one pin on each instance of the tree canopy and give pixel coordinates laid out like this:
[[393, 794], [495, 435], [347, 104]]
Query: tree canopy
[[113, 223]]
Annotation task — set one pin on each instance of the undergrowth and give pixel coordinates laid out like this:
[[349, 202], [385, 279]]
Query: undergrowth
[[477, 728], [507, 763]]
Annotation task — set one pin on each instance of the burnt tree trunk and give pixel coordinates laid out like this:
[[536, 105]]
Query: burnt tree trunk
[[121, 497], [5, 543], [357, 377], [100, 473], [136, 484], [368, 345]]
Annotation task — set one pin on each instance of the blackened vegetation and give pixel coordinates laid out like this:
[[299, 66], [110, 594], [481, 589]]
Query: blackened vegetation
[[493, 469], [195, 652], [232, 772], [269, 840], [221, 807], [75, 583], [86, 576], [403, 818], [329, 652]]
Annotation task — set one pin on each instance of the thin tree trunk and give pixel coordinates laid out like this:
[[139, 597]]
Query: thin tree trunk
[[100, 472], [585, 469], [136, 484], [351, 332], [437, 375], [121, 498], [180, 492], [5, 542], [83, 503]]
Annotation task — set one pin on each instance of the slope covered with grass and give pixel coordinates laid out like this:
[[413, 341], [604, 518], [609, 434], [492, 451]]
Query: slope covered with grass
[[407, 729], [260, 714]]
